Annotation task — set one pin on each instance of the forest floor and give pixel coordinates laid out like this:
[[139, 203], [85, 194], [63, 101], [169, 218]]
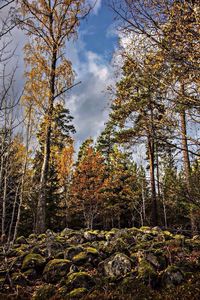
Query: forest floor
[[145, 263]]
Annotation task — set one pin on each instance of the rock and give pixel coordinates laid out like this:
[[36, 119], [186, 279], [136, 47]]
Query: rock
[[80, 280], [117, 266], [33, 261], [45, 292], [147, 273], [42, 236], [146, 237], [90, 235], [21, 240], [117, 245], [56, 269], [196, 238], [168, 235], [76, 239], [92, 251], [72, 251], [32, 236], [172, 276], [36, 250], [153, 260], [31, 274], [77, 293], [80, 258]]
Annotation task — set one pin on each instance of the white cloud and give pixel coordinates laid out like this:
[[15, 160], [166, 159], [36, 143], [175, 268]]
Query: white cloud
[[88, 102]]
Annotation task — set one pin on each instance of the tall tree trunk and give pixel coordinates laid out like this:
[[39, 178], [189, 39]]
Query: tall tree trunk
[[143, 203], [157, 172], [186, 163], [151, 150], [23, 176], [41, 207], [152, 180]]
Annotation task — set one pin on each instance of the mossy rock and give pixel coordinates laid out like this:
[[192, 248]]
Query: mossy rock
[[72, 251], [18, 252], [79, 280], [42, 236], [168, 235], [45, 292], [146, 237], [92, 251], [21, 240], [32, 236], [172, 276], [36, 250], [33, 261], [147, 273], [56, 269], [117, 245], [60, 255], [80, 258], [153, 260], [118, 265], [31, 274], [91, 235], [77, 293]]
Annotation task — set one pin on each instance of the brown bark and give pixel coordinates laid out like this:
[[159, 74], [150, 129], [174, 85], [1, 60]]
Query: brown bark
[[152, 181], [41, 207]]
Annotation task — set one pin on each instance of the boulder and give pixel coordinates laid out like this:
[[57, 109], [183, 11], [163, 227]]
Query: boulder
[[117, 266], [79, 280], [21, 240], [80, 258], [172, 276], [56, 269], [33, 261], [147, 273], [72, 251], [91, 236], [77, 293], [45, 292]]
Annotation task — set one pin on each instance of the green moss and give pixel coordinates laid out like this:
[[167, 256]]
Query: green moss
[[56, 269], [92, 251], [80, 258], [33, 260], [77, 293]]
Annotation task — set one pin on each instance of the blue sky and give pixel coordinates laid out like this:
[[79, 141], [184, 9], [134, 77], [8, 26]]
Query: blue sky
[[98, 28], [91, 56]]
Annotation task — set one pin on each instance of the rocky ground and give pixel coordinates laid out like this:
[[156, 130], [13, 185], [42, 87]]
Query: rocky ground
[[145, 263]]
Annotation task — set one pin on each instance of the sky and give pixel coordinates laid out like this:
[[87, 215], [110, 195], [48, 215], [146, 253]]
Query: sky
[[91, 55]]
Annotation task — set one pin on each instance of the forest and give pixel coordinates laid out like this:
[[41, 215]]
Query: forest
[[53, 193]]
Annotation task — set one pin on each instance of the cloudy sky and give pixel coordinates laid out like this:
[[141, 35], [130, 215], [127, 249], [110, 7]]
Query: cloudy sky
[[91, 56]]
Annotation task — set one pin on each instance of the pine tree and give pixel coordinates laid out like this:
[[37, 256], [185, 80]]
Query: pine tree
[[60, 139]]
